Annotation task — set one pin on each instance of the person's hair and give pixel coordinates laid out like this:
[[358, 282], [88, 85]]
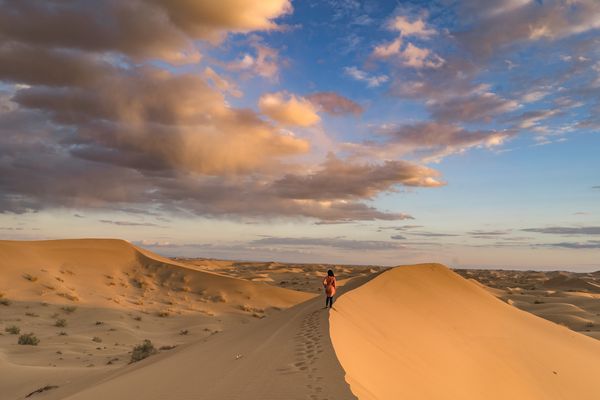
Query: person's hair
[[330, 273]]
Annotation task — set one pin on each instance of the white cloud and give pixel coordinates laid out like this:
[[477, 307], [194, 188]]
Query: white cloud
[[417, 57], [371, 80], [386, 50], [288, 109], [407, 28]]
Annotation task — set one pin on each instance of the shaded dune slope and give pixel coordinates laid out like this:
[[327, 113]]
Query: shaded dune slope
[[423, 332]]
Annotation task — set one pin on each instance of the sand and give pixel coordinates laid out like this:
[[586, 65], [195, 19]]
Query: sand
[[567, 298], [111, 296], [249, 330], [424, 332]]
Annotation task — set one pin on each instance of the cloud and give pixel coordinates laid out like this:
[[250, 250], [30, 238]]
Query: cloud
[[500, 24], [87, 100], [531, 119], [140, 29], [430, 140], [479, 106], [338, 243], [409, 54], [416, 57], [288, 109], [155, 120], [265, 62], [596, 187], [398, 237], [480, 234], [220, 83], [387, 50], [488, 233], [534, 95], [362, 76], [564, 230], [591, 244], [433, 234], [400, 228], [127, 223], [406, 27], [334, 103], [342, 180]]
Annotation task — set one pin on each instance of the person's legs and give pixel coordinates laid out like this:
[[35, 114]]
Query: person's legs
[[326, 301], [329, 301]]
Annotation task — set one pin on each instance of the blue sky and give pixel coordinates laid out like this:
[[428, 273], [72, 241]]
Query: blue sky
[[372, 132]]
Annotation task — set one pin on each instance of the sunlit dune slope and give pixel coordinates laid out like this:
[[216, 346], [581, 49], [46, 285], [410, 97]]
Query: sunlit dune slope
[[423, 332], [107, 272]]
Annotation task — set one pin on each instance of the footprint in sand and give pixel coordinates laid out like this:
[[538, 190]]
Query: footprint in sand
[[308, 346]]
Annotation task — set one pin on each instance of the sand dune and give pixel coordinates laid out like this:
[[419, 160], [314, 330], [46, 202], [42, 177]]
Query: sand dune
[[567, 298], [107, 271], [423, 332], [90, 301]]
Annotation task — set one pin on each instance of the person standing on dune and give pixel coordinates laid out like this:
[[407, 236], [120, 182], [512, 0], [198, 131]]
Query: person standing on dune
[[329, 285]]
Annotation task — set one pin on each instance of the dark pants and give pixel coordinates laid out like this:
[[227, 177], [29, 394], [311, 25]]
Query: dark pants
[[329, 301]]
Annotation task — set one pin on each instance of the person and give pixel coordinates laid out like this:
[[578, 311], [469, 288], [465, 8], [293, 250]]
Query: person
[[329, 285]]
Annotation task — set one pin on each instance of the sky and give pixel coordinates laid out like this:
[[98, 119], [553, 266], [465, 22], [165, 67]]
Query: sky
[[465, 132]]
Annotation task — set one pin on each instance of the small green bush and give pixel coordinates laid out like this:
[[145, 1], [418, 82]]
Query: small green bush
[[69, 309], [13, 330], [60, 323], [28, 339], [141, 351]]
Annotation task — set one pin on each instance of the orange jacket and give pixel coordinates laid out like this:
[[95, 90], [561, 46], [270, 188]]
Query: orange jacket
[[329, 284]]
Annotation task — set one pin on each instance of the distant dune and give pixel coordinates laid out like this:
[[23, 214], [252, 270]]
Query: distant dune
[[108, 271], [423, 332]]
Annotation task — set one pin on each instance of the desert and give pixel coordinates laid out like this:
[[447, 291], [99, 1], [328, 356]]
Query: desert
[[299, 200], [221, 329]]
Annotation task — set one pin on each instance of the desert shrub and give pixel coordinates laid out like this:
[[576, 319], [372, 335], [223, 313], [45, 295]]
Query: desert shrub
[[62, 333], [30, 277], [69, 309], [137, 283], [184, 332], [30, 314], [68, 296], [97, 339], [5, 302], [28, 339], [60, 323], [163, 314], [137, 318], [141, 351], [99, 322], [13, 330]]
